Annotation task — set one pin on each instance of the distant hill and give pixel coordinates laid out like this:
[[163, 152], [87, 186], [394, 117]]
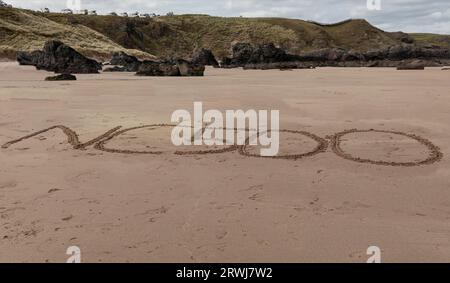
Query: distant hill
[[180, 35], [22, 30]]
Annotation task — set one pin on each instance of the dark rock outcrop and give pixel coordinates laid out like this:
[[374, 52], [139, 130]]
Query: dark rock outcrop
[[267, 56], [128, 62], [28, 58], [405, 52], [205, 57], [245, 53], [59, 58], [62, 77], [241, 54], [269, 53]]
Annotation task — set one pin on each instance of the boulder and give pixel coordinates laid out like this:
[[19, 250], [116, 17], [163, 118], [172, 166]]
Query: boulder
[[189, 69], [204, 57], [59, 58], [62, 77], [130, 63], [411, 65]]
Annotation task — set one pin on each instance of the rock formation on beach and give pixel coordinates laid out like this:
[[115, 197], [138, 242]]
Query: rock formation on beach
[[245, 53], [171, 68], [267, 56], [412, 65], [129, 63], [59, 58], [62, 77], [205, 57]]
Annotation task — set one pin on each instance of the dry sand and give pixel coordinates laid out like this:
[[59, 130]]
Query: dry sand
[[125, 207]]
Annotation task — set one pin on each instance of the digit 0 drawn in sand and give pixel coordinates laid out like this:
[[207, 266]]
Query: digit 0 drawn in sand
[[435, 154], [322, 146], [101, 145]]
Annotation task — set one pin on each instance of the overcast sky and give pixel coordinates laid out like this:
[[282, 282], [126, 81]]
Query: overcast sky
[[395, 15]]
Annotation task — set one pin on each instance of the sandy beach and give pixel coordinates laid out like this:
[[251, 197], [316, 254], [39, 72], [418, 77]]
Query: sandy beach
[[128, 207]]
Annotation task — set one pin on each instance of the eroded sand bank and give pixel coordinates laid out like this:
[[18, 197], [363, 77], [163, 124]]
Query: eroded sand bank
[[225, 207]]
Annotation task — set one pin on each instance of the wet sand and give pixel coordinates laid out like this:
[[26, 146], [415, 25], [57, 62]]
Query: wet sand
[[357, 189]]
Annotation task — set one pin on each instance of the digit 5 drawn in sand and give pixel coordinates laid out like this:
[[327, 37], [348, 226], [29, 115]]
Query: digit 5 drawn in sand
[[72, 137]]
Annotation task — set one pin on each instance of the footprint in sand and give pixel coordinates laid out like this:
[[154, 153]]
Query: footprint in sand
[[7, 185], [220, 235]]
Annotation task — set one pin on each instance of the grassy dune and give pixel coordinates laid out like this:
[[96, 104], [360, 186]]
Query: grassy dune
[[22, 30]]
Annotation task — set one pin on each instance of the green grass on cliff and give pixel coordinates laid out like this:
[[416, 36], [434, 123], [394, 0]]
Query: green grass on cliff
[[22, 30], [180, 35], [432, 39]]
